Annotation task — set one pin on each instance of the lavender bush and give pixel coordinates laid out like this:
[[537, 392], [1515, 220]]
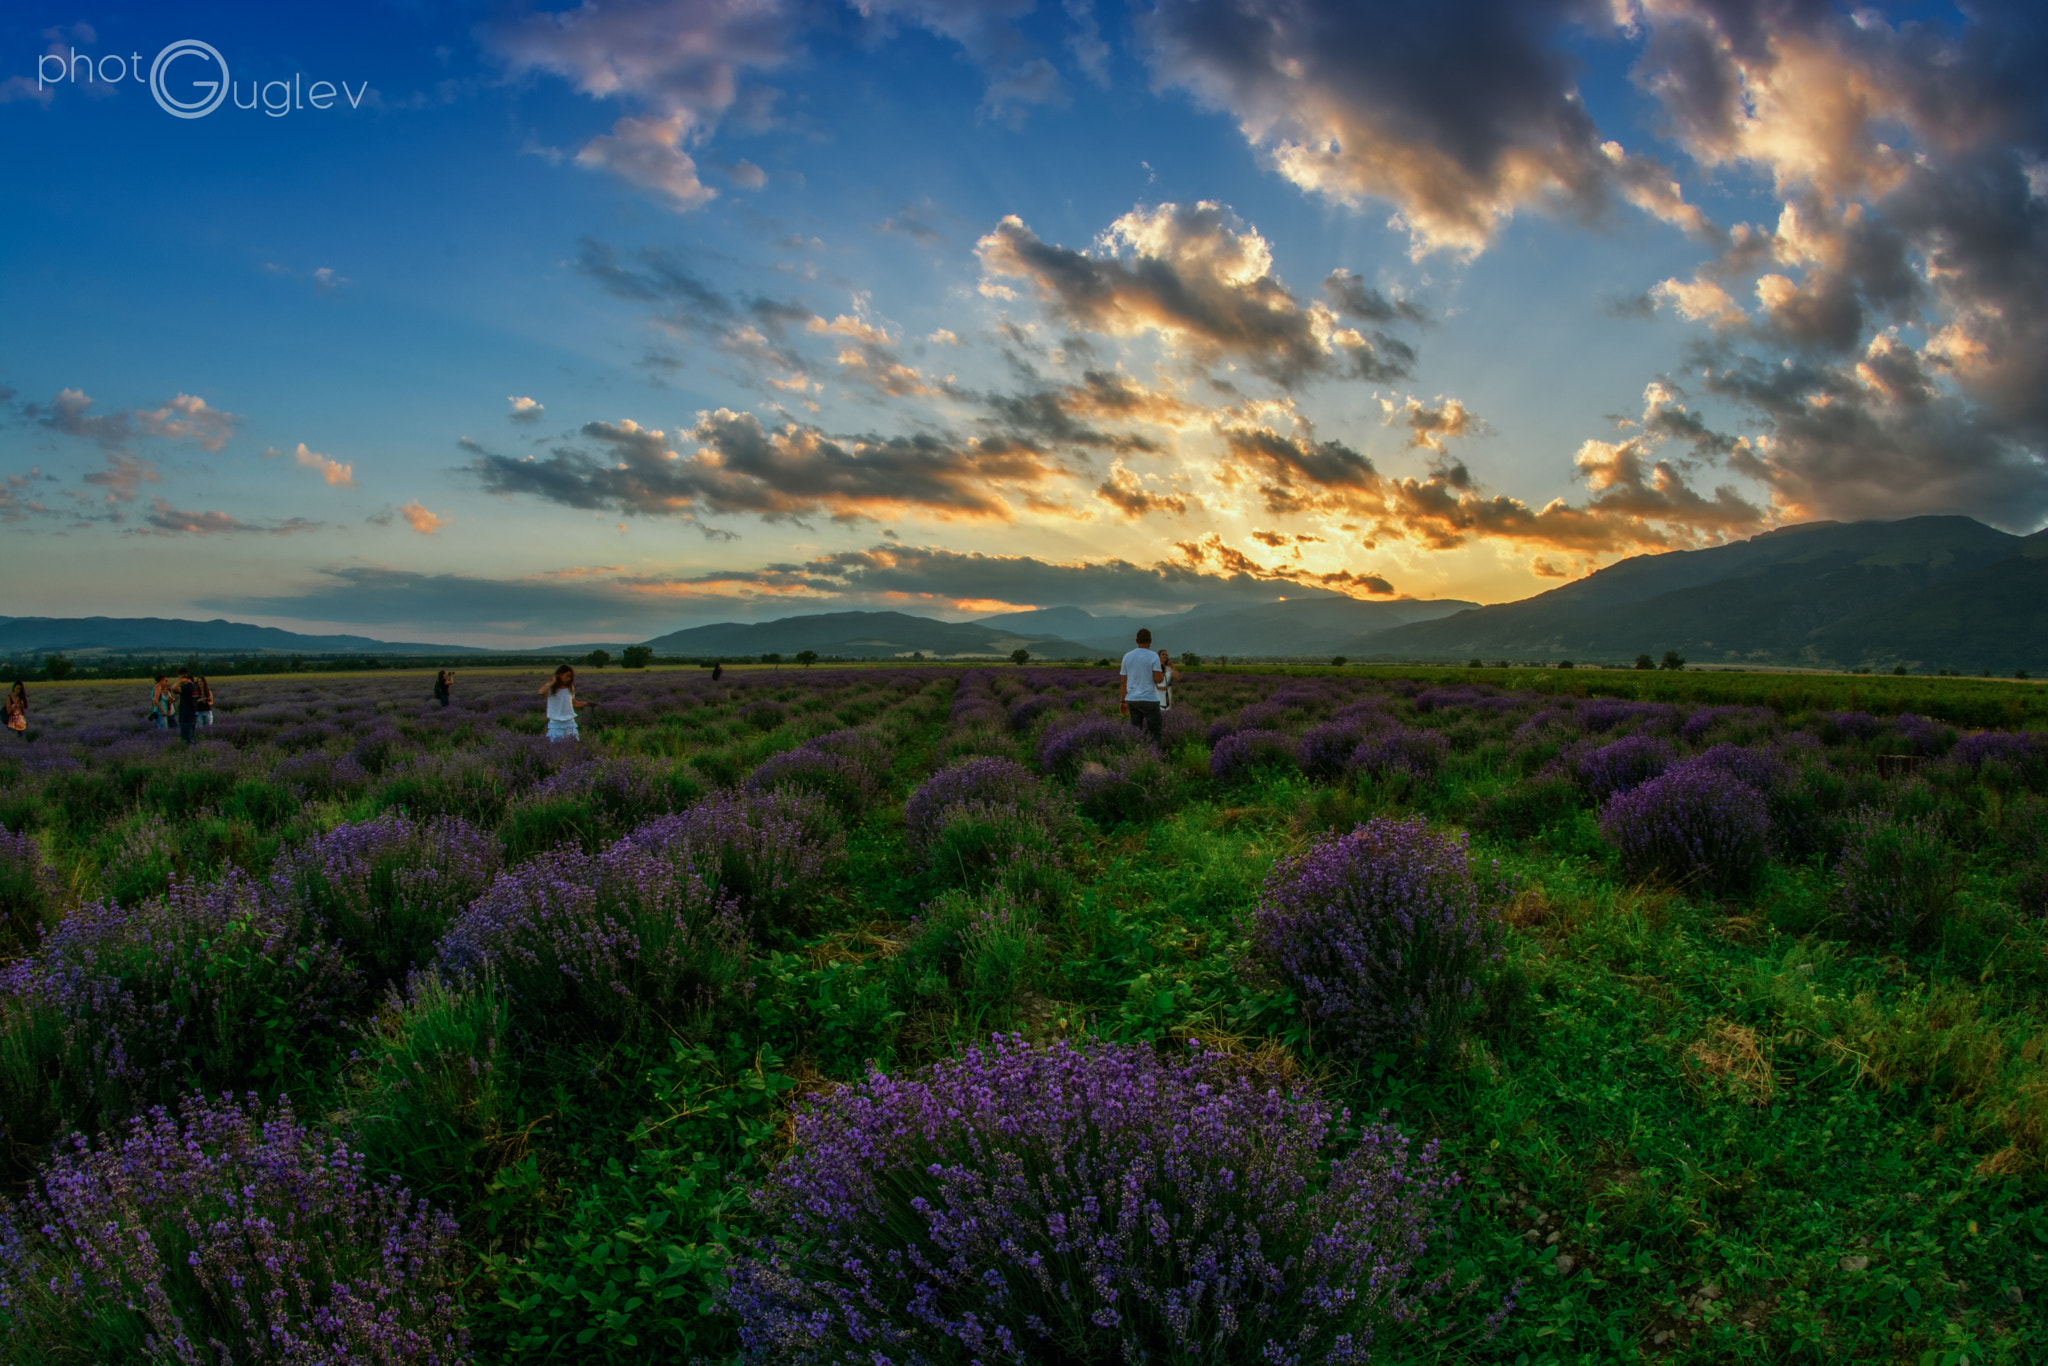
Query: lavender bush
[[973, 787], [1242, 754], [1137, 786], [766, 850], [1401, 751], [1326, 749], [120, 1006], [1620, 765], [227, 1235], [634, 935], [1896, 875], [1023, 1205], [1063, 749], [386, 888], [1697, 825], [842, 775], [31, 894], [1384, 933]]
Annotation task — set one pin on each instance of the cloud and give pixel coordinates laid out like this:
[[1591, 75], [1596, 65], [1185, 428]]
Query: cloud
[[70, 413], [334, 472], [681, 61], [1896, 359], [1199, 278], [1433, 428], [526, 410], [123, 476], [747, 175], [986, 31], [407, 600], [419, 519], [740, 466], [187, 417], [915, 221], [1458, 114], [165, 520], [647, 152], [1125, 492]]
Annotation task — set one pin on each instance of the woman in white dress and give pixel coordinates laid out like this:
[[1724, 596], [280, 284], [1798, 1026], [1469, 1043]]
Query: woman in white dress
[[562, 704]]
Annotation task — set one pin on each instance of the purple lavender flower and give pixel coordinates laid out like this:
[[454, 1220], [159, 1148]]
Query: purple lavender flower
[[1401, 751], [1835, 727], [1063, 749], [386, 888], [1096, 1204], [1761, 769], [635, 934], [228, 1234], [767, 850], [1240, 755], [1384, 933], [120, 1006], [1697, 824], [840, 775], [1327, 749], [1604, 770], [974, 787]]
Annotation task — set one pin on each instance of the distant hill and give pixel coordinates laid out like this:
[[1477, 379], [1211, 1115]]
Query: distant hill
[[1293, 626], [1926, 592], [144, 635], [863, 635]]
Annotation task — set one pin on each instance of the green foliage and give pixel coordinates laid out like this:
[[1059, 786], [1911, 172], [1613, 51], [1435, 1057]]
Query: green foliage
[[636, 657]]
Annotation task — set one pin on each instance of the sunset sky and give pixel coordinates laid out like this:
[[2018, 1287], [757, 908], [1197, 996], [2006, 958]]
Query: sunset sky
[[591, 323]]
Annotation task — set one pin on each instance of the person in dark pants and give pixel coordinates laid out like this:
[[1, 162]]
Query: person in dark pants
[[1142, 674], [188, 705], [444, 682], [717, 670]]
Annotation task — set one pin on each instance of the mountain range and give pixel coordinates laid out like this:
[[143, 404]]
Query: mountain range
[[1925, 592]]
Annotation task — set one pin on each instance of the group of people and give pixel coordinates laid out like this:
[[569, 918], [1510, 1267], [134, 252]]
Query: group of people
[[185, 702]]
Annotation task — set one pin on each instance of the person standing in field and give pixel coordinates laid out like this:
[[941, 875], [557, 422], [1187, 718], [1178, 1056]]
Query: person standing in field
[[717, 670], [444, 684], [562, 704], [16, 712], [1165, 682], [162, 702], [205, 717], [1142, 673], [187, 705]]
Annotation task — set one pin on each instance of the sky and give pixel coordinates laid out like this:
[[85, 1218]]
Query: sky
[[514, 324]]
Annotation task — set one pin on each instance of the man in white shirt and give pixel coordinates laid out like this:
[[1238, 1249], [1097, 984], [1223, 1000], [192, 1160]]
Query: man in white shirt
[[1143, 673]]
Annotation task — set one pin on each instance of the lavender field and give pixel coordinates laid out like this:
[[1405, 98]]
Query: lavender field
[[933, 1015]]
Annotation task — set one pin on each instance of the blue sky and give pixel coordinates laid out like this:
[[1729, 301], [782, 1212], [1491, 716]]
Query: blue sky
[[597, 321]]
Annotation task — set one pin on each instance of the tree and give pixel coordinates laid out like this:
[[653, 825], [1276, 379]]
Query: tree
[[1474, 664], [1899, 670], [1188, 658], [1645, 662], [2020, 674], [1020, 656], [637, 657], [807, 657], [1337, 661], [1673, 661], [1566, 664], [597, 659], [1502, 664], [917, 655], [771, 659], [59, 668]]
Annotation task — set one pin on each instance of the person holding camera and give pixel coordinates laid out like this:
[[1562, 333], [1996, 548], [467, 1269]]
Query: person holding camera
[[1143, 671]]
